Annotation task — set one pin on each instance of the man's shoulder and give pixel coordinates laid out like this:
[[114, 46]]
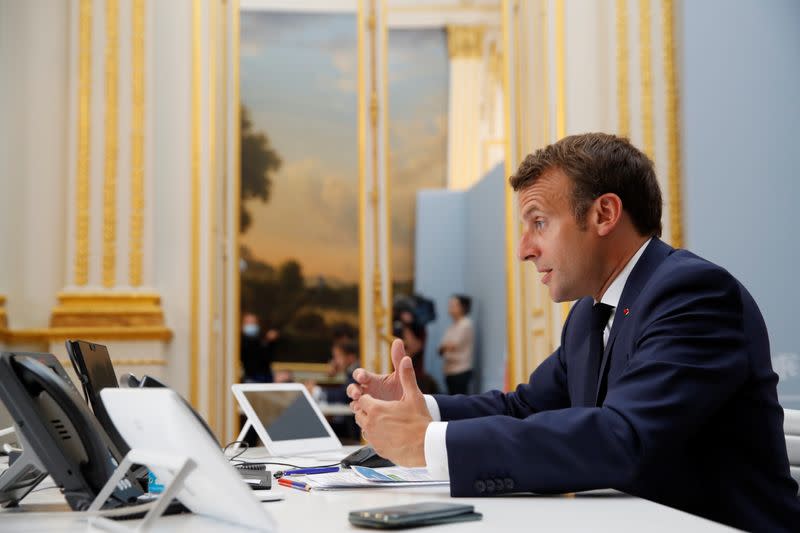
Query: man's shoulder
[[683, 267]]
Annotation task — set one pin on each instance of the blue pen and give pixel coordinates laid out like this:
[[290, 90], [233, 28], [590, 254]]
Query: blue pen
[[301, 471]]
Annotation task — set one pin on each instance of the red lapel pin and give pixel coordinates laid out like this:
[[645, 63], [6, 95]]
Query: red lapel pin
[[626, 311]]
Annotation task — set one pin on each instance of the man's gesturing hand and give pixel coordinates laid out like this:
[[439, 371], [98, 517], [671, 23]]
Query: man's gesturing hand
[[396, 428], [380, 386]]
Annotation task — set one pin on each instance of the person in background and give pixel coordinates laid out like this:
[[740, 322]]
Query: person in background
[[255, 351], [458, 345], [414, 336], [344, 359]]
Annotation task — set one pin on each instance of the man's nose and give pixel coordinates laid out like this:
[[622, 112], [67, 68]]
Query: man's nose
[[527, 248]]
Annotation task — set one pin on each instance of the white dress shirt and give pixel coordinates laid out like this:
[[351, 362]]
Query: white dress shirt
[[435, 435]]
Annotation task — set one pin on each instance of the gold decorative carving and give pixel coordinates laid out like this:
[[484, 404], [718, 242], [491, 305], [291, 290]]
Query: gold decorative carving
[[386, 317], [646, 52], [377, 287], [81, 274], [120, 310], [93, 333], [137, 147], [291, 366], [111, 145], [623, 109], [561, 92], [561, 89], [673, 131], [465, 6], [511, 279], [465, 41], [362, 184]]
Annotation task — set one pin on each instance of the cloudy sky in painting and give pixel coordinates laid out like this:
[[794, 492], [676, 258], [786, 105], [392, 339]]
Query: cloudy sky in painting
[[298, 80]]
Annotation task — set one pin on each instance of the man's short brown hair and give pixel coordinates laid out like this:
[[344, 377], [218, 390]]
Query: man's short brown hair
[[599, 163]]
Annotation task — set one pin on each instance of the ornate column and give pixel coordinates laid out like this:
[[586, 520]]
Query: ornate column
[[109, 290], [465, 45], [375, 296], [492, 129]]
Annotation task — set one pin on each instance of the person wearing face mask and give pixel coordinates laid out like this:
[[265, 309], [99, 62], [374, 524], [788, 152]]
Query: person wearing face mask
[[256, 352]]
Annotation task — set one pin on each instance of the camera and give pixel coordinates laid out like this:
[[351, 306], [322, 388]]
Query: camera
[[414, 312]]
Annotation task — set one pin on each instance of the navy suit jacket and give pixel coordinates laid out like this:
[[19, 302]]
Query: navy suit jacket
[[691, 418]]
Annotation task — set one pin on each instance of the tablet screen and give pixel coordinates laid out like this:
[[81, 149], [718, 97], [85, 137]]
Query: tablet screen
[[286, 414]]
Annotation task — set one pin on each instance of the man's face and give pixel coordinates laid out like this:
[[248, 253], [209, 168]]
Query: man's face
[[563, 253], [341, 360], [454, 308]]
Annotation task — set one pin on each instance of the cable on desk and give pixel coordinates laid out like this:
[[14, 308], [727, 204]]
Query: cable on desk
[[244, 464], [245, 446]]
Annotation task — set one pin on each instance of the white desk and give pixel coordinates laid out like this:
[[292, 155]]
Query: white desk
[[335, 409], [326, 511]]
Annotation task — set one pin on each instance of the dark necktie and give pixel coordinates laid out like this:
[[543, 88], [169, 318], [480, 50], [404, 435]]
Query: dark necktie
[[600, 315]]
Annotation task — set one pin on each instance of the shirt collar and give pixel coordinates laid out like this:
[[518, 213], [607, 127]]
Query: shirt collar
[[614, 292]]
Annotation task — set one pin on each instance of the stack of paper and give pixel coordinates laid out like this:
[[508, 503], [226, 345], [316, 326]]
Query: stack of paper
[[360, 477]]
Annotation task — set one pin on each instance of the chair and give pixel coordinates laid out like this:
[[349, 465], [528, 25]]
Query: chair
[[791, 429]]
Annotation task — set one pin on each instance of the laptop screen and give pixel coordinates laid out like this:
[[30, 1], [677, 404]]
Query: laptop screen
[[286, 414]]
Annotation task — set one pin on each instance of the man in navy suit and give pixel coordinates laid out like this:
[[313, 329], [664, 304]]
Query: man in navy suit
[[662, 386]]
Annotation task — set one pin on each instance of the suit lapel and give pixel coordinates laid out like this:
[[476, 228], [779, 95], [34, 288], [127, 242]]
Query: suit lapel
[[651, 258]]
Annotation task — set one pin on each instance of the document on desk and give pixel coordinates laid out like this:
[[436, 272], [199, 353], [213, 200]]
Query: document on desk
[[360, 477]]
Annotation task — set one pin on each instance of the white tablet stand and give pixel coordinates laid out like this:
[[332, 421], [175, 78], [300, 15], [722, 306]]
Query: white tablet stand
[[242, 434], [180, 466]]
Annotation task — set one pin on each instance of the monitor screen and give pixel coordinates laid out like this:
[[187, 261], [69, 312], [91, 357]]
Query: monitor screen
[[99, 367], [286, 414]]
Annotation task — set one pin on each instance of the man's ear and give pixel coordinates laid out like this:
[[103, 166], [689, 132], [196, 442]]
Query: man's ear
[[607, 213]]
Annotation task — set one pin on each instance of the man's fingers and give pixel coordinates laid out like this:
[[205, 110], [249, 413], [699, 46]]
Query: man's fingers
[[361, 376], [354, 392], [398, 352], [408, 380], [366, 402], [361, 418]]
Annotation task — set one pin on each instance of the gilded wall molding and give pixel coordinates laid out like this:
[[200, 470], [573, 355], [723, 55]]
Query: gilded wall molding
[[561, 92], [111, 144], [118, 310], [673, 127], [141, 333], [374, 224], [135, 257], [623, 107], [362, 183], [81, 266], [512, 268], [646, 60], [465, 41], [561, 71], [385, 331]]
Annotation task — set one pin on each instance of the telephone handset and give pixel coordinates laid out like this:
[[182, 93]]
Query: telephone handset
[[64, 435]]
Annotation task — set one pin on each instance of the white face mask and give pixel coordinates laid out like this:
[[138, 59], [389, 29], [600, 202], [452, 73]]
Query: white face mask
[[251, 330]]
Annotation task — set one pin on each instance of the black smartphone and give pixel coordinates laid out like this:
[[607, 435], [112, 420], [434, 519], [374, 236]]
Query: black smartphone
[[414, 515]]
